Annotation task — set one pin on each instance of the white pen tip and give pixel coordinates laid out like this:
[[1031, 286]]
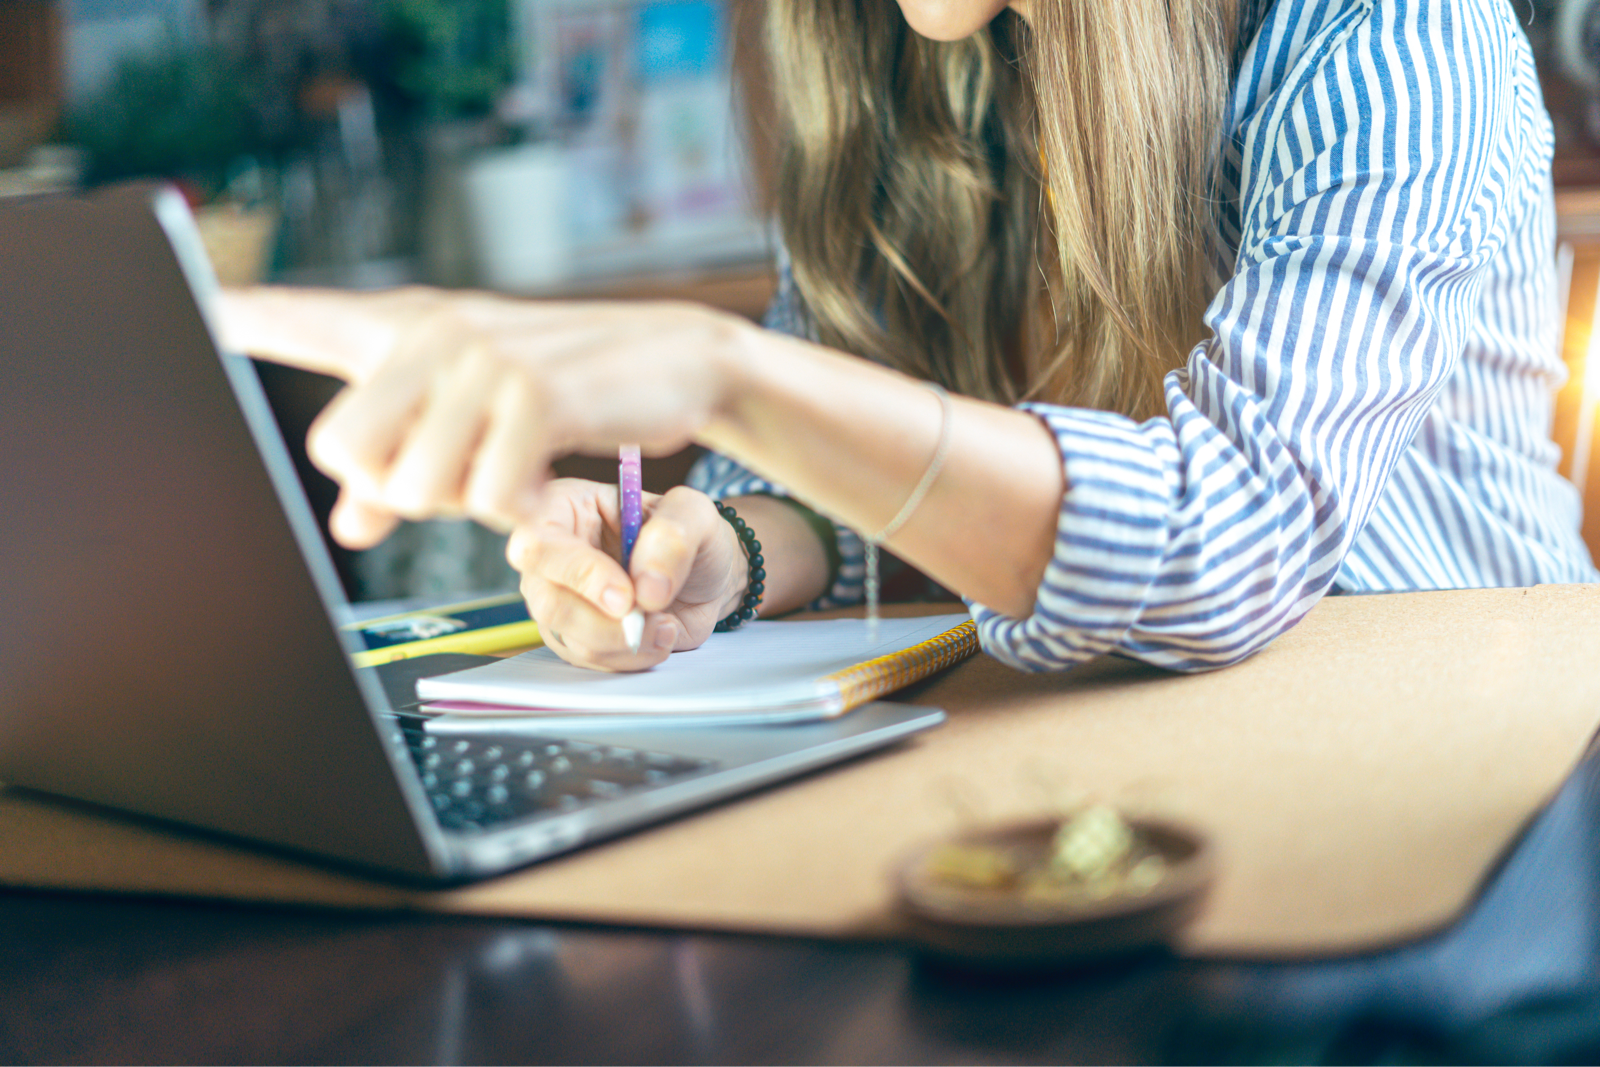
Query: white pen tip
[[633, 629]]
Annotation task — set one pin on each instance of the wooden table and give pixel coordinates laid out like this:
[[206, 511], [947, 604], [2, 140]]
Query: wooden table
[[95, 980]]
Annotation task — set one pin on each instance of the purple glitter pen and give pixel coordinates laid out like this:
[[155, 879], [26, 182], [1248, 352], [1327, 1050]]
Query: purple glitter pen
[[630, 505]]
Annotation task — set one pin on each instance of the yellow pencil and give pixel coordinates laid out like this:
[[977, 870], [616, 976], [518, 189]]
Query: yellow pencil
[[479, 640]]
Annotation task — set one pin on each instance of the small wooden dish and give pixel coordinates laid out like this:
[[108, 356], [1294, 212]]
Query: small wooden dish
[[998, 928]]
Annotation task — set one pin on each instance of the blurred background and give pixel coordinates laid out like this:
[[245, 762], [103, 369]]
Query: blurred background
[[568, 148], [525, 145]]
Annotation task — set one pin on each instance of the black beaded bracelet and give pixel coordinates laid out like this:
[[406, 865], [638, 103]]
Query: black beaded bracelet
[[758, 571]]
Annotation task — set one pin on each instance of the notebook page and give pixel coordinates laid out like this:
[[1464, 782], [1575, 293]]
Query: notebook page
[[762, 666]]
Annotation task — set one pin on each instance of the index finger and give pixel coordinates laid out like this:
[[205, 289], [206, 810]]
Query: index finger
[[564, 559], [346, 335]]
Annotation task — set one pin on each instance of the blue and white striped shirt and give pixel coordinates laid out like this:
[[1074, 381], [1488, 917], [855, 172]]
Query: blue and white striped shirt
[[1372, 409]]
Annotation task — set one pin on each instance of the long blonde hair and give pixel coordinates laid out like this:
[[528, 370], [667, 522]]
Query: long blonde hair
[[937, 198]]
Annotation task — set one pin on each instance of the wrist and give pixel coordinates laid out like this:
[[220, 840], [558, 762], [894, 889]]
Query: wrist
[[738, 569], [822, 528], [756, 370], [796, 558], [748, 551], [737, 354]]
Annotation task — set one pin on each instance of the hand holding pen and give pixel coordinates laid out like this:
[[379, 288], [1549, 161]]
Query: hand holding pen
[[679, 513], [684, 568]]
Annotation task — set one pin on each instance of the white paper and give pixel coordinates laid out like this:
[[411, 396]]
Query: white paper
[[763, 667]]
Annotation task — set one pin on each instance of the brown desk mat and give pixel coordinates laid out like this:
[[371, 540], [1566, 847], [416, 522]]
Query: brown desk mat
[[1360, 776]]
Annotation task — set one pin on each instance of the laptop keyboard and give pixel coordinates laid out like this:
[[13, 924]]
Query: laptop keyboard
[[475, 784]]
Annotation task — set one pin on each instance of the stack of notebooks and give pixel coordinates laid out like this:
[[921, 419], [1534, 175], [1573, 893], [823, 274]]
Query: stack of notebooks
[[764, 672]]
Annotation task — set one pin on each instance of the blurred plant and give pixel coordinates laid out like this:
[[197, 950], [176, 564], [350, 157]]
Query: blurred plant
[[179, 112], [282, 46], [451, 57]]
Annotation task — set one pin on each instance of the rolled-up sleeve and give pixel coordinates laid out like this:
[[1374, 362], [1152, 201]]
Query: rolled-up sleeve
[[1369, 194]]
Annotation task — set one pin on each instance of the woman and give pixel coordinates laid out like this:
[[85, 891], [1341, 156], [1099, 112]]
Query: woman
[[1247, 301]]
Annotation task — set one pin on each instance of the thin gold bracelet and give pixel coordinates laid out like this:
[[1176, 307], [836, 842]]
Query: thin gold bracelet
[[907, 509]]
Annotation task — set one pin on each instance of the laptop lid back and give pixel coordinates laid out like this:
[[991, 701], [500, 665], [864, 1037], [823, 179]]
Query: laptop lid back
[[167, 646]]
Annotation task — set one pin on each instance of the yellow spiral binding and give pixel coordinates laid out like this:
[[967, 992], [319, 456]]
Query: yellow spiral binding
[[872, 679]]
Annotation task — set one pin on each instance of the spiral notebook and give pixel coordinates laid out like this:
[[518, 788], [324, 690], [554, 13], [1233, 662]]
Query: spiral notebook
[[766, 672]]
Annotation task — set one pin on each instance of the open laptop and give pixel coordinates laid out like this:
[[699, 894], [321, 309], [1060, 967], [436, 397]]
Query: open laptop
[[170, 645]]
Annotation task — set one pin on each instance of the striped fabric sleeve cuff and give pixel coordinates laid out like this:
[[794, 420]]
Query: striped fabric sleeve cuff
[[1111, 537]]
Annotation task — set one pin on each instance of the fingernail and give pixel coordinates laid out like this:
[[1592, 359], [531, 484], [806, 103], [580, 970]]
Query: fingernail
[[653, 589], [614, 600], [666, 636], [633, 629]]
